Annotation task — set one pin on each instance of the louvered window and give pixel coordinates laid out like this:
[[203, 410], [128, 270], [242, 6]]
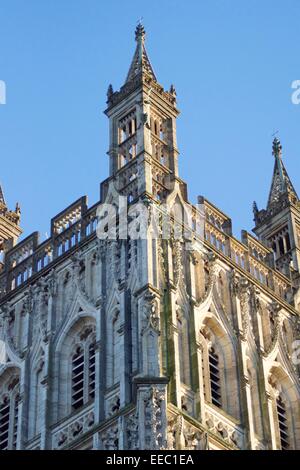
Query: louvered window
[[83, 373], [4, 423], [283, 424], [78, 379], [214, 375], [9, 418]]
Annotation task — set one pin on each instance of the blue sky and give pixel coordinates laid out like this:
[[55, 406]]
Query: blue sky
[[232, 63]]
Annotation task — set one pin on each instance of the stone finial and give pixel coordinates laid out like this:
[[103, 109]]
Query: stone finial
[[140, 32], [255, 208], [276, 148], [109, 92], [18, 212], [173, 90]]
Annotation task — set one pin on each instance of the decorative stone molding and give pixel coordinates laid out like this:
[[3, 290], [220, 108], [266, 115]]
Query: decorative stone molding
[[114, 253], [51, 281], [151, 313], [132, 432], [114, 405], [78, 275], [112, 402], [222, 427], [153, 401], [8, 323], [152, 416], [194, 439], [67, 434], [110, 438], [172, 430], [41, 311], [194, 257], [160, 248], [29, 300], [273, 309], [183, 435], [177, 264], [187, 401], [213, 268], [241, 288]]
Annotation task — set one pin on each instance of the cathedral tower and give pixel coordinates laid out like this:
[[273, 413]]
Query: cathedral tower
[[175, 335], [143, 149], [278, 225]]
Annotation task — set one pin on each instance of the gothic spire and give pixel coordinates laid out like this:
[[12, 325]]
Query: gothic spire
[[140, 63], [281, 183]]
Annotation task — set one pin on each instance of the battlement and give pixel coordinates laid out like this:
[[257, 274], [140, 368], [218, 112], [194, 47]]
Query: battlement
[[248, 253], [30, 257], [77, 223]]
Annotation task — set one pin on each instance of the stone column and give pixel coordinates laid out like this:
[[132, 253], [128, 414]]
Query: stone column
[[173, 347], [123, 365], [271, 421], [152, 413], [99, 373], [24, 373]]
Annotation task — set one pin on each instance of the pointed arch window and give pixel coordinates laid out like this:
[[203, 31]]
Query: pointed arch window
[[83, 370], [9, 418], [282, 423], [214, 377], [220, 373]]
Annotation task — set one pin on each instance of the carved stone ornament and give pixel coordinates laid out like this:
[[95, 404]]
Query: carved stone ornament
[[110, 438], [153, 404], [213, 269], [273, 309], [132, 432], [151, 313], [177, 261]]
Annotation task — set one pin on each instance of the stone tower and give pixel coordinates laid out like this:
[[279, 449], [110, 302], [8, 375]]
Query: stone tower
[[278, 226], [142, 122]]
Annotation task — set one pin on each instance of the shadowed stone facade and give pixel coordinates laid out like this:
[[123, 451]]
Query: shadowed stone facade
[[183, 339]]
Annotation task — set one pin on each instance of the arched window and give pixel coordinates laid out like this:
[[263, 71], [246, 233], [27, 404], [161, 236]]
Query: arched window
[[214, 376], [219, 365], [285, 408], [9, 416], [282, 423], [83, 370]]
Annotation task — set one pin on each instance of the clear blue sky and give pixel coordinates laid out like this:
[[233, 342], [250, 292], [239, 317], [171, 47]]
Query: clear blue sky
[[232, 63]]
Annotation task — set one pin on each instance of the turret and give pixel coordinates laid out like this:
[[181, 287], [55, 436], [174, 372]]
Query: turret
[[278, 226]]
